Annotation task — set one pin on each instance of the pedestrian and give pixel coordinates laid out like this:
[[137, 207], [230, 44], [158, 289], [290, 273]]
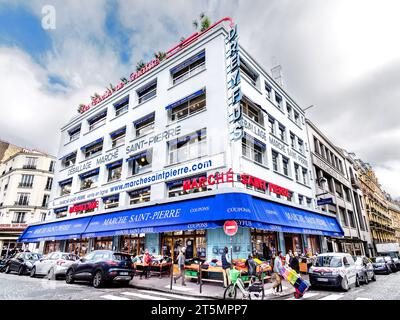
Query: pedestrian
[[181, 266], [146, 265], [294, 264], [288, 258], [277, 272], [226, 267], [251, 267]]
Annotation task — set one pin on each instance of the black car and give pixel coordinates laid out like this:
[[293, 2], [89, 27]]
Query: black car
[[22, 263], [395, 258], [101, 267], [381, 265], [391, 263]]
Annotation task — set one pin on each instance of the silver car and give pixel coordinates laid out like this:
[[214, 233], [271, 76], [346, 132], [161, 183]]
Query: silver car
[[53, 265], [365, 269]]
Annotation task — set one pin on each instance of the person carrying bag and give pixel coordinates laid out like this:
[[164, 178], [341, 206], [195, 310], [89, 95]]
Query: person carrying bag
[[226, 267], [181, 266]]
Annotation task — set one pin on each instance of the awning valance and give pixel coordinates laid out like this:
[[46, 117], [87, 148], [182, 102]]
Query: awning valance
[[118, 132], [92, 144], [64, 182], [89, 173], [121, 103], [144, 119]]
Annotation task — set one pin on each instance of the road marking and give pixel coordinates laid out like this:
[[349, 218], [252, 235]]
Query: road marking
[[170, 295], [111, 297], [307, 295], [359, 298], [332, 297], [143, 296], [179, 288]]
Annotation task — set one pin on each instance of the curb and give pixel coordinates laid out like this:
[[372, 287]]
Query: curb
[[175, 292]]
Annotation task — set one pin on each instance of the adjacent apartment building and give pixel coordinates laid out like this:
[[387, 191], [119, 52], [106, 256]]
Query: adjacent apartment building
[[164, 158], [26, 179], [338, 193]]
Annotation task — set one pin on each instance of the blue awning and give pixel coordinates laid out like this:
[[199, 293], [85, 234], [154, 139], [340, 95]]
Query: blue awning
[[67, 229], [121, 103], [144, 119], [189, 97], [114, 164], [147, 86], [62, 209], [98, 117], [89, 173], [257, 142], [137, 156], [64, 182], [188, 62], [201, 213], [68, 155], [92, 144], [72, 131], [118, 132]]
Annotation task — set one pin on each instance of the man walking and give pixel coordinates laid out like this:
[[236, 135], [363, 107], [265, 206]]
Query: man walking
[[181, 266], [277, 269], [226, 267]]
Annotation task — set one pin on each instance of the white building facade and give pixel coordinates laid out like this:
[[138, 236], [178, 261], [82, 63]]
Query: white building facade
[[165, 158], [25, 186]]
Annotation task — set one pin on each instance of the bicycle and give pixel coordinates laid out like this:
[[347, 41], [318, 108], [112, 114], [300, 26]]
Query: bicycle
[[255, 289]]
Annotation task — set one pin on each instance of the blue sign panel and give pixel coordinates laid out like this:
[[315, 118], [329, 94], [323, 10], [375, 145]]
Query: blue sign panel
[[322, 202]]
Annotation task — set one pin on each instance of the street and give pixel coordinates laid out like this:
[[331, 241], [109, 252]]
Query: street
[[14, 287]]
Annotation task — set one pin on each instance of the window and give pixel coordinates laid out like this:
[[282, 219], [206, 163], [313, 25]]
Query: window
[[94, 149], [49, 183], [22, 199], [61, 212], [268, 90], [338, 188], [144, 125], [301, 200], [19, 217], [140, 162], [289, 110], [121, 106], [187, 147], [139, 196], [322, 150], [51, 167], [98, 120], [301, 146], [252, 111], [175, 188], [297, 172], [26, 181], [285, 166], [65, 187], [45, 201], [271, 124], [297, 118], [282, 132], [74, 133], [68, 160], [347, 193], [341, 166], [275, 157], [118, 137], [30, 163], [351, 219], [43, 217], [114, 171], [343, 217], [279, 101], [147, 92], [111, 201], [253, 149], [89, 179], [248, 72], [309, 202], [292, 140], [305, 176], [188, 68], [188, 106], [316, 146]]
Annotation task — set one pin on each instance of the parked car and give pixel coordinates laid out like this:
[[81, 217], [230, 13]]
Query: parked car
[[101, 267], [395, 258], [334, 270], [53, 265], [381, 265], [22, 263], [391, 263], [365, 269]]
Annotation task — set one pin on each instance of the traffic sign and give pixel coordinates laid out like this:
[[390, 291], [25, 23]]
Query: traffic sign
[[230, 228], [322, 202]]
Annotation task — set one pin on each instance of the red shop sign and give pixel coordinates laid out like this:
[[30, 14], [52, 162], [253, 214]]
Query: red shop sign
[[84, 206]]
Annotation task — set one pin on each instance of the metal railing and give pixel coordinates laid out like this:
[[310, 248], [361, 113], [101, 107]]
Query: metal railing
[[189, 73]]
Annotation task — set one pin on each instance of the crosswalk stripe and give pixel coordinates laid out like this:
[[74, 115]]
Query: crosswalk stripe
[[170, 295], [144, 296], [359, 298], [307, 295], [111, 297], [332, 297], [179, 288]]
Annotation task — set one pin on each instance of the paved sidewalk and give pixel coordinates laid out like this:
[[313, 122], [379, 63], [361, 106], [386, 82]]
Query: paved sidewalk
[[209, 290]]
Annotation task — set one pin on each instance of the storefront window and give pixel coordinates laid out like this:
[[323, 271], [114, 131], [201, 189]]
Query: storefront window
[[77, 246], [104, 243], [194, 241], [51, 246], [141, 162], [264, 243], [133, 244], [188, 147], [293, 242], [139, 196]]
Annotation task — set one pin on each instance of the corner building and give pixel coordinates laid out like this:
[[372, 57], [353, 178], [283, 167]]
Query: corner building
[[187, 143]]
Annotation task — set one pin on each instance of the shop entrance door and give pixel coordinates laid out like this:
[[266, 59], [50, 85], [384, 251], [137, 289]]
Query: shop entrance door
[[293, 242]]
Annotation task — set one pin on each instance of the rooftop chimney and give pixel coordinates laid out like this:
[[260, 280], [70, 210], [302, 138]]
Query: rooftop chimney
[[277, 72]]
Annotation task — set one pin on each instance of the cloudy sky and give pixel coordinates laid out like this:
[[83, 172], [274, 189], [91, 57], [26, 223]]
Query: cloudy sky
[[343, 57]]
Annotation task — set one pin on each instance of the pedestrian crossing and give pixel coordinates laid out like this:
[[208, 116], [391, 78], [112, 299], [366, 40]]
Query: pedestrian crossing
[[146, 295], [324, 296]]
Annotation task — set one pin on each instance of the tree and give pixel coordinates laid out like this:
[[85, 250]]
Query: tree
[[204, 22], [140, 65], [160, 55]]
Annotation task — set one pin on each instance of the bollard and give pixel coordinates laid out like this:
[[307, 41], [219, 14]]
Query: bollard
[[200, 278], [171, 275]]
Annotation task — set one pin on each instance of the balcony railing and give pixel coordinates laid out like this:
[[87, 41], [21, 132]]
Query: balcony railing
[[25, 185], [29, 166], [21, 203], [18, 221]]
